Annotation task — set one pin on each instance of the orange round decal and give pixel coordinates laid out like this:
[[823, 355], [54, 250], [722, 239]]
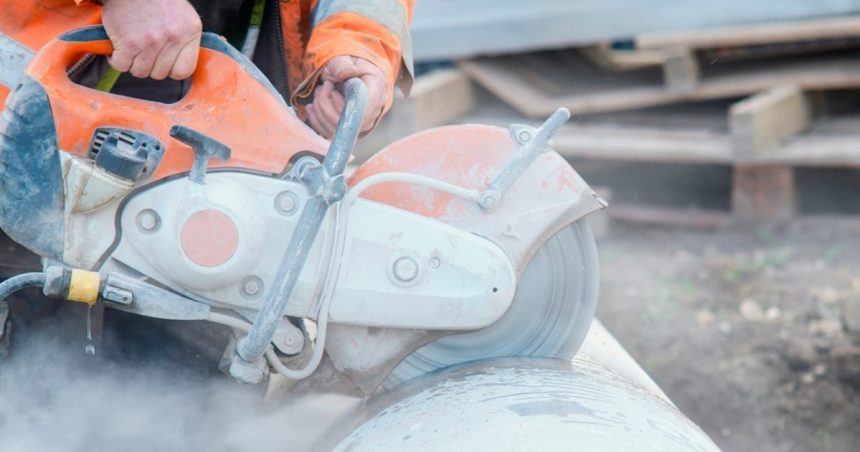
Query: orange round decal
[[209, 238]]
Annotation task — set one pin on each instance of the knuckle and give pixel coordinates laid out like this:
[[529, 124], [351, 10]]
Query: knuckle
[[132, 46], [173, 34], [152, 38]]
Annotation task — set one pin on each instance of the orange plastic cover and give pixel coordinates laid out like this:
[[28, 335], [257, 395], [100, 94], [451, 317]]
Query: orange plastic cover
[[225, 102], [35, 22]]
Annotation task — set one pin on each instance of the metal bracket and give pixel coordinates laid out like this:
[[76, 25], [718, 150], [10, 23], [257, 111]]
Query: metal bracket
[[533, 142], [128, 294], [317, 179]]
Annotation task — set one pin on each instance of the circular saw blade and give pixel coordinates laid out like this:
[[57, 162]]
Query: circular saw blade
[[549, 317]]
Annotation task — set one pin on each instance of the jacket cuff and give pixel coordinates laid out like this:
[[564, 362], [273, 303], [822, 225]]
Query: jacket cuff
[[356, 35]]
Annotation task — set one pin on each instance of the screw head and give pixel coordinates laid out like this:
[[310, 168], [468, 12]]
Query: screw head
[[251, 287], [488, 200], [148, 221], [405, 269], [286, 203], [524, 136]]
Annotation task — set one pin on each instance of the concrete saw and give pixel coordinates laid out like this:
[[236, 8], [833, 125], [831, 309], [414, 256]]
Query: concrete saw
[[451, 245]]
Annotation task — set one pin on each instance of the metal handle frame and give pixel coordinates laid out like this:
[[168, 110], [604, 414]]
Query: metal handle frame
[[327, 185]]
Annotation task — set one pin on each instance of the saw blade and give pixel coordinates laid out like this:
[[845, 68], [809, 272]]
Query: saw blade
[[549, 317]]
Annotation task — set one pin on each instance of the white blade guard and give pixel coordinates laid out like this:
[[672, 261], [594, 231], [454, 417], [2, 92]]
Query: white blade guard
[[535, 223]]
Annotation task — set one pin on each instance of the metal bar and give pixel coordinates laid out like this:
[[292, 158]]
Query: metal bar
[[251, 347], [534, 145]]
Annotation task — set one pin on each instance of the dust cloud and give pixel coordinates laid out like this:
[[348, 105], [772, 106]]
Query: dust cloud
[[55, 398]]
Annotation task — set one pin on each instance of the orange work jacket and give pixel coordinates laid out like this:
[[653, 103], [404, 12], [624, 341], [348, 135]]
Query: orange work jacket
[[313, 32]]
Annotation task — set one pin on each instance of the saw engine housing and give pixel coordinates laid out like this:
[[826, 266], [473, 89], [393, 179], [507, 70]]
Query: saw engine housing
[[191, 211]]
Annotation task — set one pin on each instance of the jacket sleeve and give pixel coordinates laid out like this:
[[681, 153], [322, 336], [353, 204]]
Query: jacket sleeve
[[376, 30]]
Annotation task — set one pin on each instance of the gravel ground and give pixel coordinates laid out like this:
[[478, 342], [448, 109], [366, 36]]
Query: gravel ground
[[754, 332]]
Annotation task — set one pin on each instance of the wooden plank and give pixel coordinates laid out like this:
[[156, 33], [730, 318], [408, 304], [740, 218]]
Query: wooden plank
[[752, 34], [668, 216], [818, 150], [584, 89], [680, 70], [612, 60], [759, 123], [763, 193], [632, 144], [439, 97]]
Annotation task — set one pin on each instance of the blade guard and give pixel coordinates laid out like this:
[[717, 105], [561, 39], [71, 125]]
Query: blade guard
[[547, 196]]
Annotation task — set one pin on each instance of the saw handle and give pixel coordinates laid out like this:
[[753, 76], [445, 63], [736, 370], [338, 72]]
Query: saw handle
[[68, 49], [329, 188]]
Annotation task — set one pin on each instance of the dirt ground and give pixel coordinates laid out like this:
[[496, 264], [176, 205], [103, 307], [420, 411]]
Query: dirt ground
[[754, 332]]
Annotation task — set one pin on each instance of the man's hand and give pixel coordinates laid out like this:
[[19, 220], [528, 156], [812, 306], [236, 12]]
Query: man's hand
[[153, 38], [327, 105]]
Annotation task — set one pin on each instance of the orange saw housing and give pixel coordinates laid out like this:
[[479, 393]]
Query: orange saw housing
[[229, 100], [32, 23]]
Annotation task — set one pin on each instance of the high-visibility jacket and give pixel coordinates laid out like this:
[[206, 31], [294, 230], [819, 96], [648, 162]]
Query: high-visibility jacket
[[308, 33]]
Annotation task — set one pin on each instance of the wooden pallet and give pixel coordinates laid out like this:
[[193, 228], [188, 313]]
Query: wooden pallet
[[536, 84], [665, 68]]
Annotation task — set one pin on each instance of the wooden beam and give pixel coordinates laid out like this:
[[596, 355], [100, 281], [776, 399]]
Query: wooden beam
[[612, 60], [763, 193], [639, 144], [680, 70], [752, 34], [760, 123], [669, 216]]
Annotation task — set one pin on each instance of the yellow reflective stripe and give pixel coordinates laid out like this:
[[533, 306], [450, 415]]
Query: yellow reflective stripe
[[14, 58], [389, 13], [84, 286]]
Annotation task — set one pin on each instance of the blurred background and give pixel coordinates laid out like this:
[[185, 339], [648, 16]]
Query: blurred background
[[726, 137]]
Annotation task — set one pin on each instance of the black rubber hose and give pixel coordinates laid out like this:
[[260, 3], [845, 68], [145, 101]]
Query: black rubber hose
[[22, 281]]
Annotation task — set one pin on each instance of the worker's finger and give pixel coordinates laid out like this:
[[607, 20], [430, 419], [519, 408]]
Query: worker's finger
[[377, 95], [168, 55], [314, 120], [121, 59], [324, 116], [339, 101], [324, 100], [141, 67], [186, 61]]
